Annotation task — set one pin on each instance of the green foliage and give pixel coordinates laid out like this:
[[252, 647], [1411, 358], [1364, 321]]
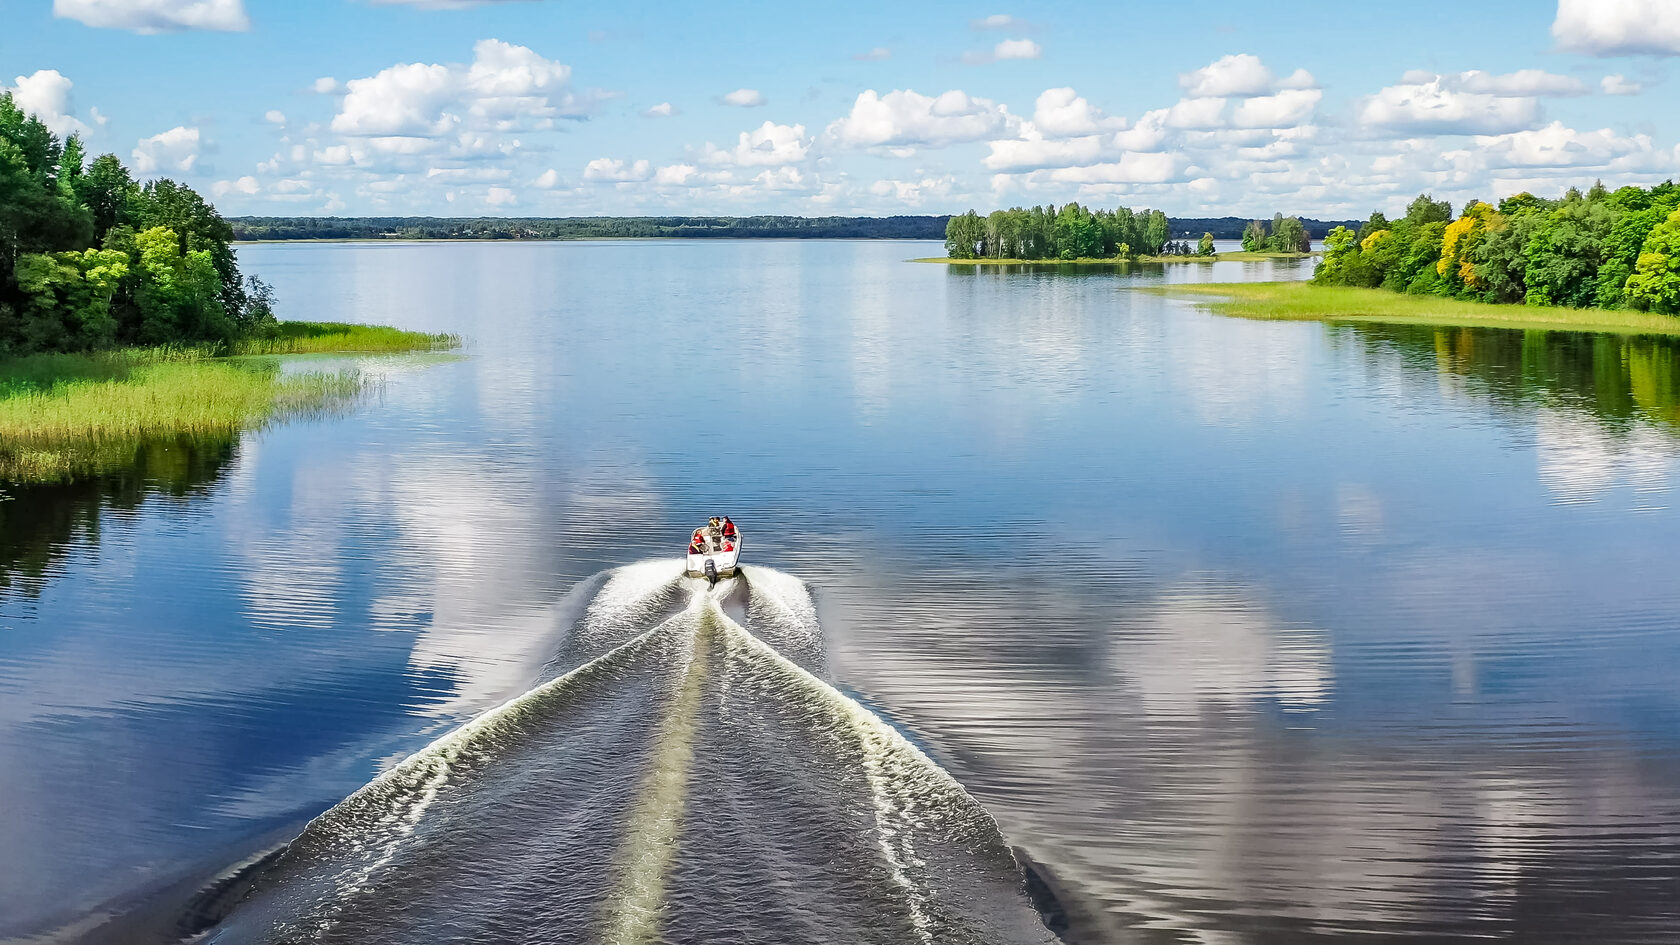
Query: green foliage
[[1254, 237], [1593, 249], [1205, 247], [1289, 235], [963, 235], [1655, 282], [89, 259]]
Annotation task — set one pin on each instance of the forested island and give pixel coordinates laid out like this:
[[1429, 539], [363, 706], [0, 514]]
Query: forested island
[[119, 306], [1074, 233]]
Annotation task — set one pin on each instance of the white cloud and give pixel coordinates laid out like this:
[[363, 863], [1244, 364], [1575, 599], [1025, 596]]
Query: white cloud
[[1619, 85], [874, 55], [1524, 83], [998, 21], [745, 98], [1005, 50], [547, 180], [275, 116], [767, 145], [675, 175], [1618, 27], [245, 185], [662, 110], [172, 150], [1062, 113], [1434, 107], [1562, 147], [325, 85], [912, 192], [1286, 109], [906, 118], [1238, 76], [46, 95], [505, 88], [1194, 113], [1031, 152], [612, 170], [500, 197], [156, 16]]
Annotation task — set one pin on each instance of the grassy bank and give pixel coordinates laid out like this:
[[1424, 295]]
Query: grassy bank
[[1219, 257], [1301, 301], [68, 415]]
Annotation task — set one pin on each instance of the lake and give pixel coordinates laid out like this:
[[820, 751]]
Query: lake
[[1229, 631]]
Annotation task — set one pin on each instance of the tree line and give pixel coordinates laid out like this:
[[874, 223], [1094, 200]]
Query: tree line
[[1285, 235], [1076, 232], [91, 259], [1598, 249], [583, 228]]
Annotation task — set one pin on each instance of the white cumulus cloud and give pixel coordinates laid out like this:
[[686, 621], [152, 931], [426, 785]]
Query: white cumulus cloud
[[1619, 85], [905, 118], [275, 116], [1618, 27], [1063, 113], [769, 144], [745, 98], [1240, 75], [245, 185], [172, 150], [45, 94], [500, 197], [505, 88], [1006, 50], [662, 110], [1436, 107], [612, 170], [156, 16]]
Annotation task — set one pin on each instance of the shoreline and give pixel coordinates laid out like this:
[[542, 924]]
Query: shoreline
[[1236, 256], [1304, 301]]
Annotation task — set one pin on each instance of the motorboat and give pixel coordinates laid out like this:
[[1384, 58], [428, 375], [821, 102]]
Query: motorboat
[[720, 558]]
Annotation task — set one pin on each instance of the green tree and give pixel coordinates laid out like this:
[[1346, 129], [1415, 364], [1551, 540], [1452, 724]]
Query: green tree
[[1565, 251], [962, 236], [1156, 232], [1205, 246], [67, 299], [1341, 258], [1655, 282], [1289, 235], [1254, 237]]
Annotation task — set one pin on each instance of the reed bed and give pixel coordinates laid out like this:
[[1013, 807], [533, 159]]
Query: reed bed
[[343, 338], [67, 415]]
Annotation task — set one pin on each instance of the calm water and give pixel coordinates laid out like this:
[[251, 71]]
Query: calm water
[[1233, 632]]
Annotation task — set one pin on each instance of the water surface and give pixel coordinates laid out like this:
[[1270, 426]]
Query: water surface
[[1233, 631]]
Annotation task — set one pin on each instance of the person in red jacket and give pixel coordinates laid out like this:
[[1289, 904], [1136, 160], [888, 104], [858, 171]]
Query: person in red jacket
[[729, 533]]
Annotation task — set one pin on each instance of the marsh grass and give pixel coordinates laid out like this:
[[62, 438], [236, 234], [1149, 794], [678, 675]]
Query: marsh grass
[[68, 415], [343, 338], [1303, 301]]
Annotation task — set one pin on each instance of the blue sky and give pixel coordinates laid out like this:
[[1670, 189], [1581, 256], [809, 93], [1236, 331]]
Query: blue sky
[[545, 107]]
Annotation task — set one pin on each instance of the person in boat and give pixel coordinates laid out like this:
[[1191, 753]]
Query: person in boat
[[729, 533], [697, 544], [714, 531]]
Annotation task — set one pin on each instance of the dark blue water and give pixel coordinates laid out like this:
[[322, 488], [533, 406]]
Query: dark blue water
[[1241, 631]]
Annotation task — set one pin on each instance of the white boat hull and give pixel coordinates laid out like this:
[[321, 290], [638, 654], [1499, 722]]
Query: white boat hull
[[724, 562]]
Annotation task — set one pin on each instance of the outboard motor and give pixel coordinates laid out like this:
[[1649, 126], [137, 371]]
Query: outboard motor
[[711, 571]]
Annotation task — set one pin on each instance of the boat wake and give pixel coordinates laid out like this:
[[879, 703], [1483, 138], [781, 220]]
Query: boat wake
[[683, 774]]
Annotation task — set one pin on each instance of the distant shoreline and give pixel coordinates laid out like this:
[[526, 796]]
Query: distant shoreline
[[1237, 256]]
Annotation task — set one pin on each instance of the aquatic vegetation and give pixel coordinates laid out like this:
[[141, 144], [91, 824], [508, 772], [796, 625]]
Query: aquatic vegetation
[[1303, 301], [67, 415], [340, 337]]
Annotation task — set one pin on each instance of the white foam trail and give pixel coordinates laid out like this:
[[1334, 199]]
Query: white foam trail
[[650, 842], [890, 761]]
